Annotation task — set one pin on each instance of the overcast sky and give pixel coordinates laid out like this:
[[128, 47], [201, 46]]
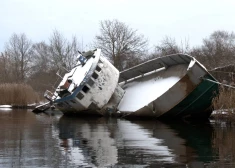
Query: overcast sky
[[180, 19]]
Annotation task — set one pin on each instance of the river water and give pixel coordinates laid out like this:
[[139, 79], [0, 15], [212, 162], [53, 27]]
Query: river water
[[29, 140]]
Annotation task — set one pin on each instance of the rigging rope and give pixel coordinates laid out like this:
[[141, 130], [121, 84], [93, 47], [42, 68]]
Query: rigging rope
[[218, 83], [221, 71]]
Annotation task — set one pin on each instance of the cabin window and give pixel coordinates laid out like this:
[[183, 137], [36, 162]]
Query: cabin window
[[95, 75], [80, 96], [90, 82], [85, 89], [98, 68]]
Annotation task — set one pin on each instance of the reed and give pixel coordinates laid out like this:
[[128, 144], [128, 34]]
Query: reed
[[224, 103], [17, 94]]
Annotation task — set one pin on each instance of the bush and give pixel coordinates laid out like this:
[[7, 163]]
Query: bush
[[17, 94]]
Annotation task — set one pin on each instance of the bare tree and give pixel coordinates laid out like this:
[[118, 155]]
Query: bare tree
[[217, 50], [220, 46], [5, 68], [120, 44], [42, 60], [169, 46], [19, 49], [72, 51], [48, 58], [63, 52], [43, 72]]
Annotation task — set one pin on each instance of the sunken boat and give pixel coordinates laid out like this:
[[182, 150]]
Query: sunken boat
[[173, 86]]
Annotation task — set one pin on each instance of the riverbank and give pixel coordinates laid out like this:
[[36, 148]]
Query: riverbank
[[223, 115], [30, 106]]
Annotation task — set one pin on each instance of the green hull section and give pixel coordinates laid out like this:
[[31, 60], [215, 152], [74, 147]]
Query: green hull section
[[198, 104]]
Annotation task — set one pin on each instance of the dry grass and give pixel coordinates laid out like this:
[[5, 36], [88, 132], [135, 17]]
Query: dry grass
[[17, 94], [224, 138], [225, 102]]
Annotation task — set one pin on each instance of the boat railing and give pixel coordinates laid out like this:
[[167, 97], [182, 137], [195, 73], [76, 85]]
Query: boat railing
[[153, 65], [49, 95], [57, 82], [61, 72]]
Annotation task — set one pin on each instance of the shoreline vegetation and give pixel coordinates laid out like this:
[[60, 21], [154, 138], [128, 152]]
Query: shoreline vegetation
[[18, 95], [224, 104]]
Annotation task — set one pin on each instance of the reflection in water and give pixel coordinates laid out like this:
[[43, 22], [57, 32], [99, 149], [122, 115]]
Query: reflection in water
[[190, 141], [139, 141], [28, 140], [115, 141], [25, 140], [91, 142], [224, 144]]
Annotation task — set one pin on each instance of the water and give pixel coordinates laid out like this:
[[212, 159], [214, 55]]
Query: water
[[29, 140]]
